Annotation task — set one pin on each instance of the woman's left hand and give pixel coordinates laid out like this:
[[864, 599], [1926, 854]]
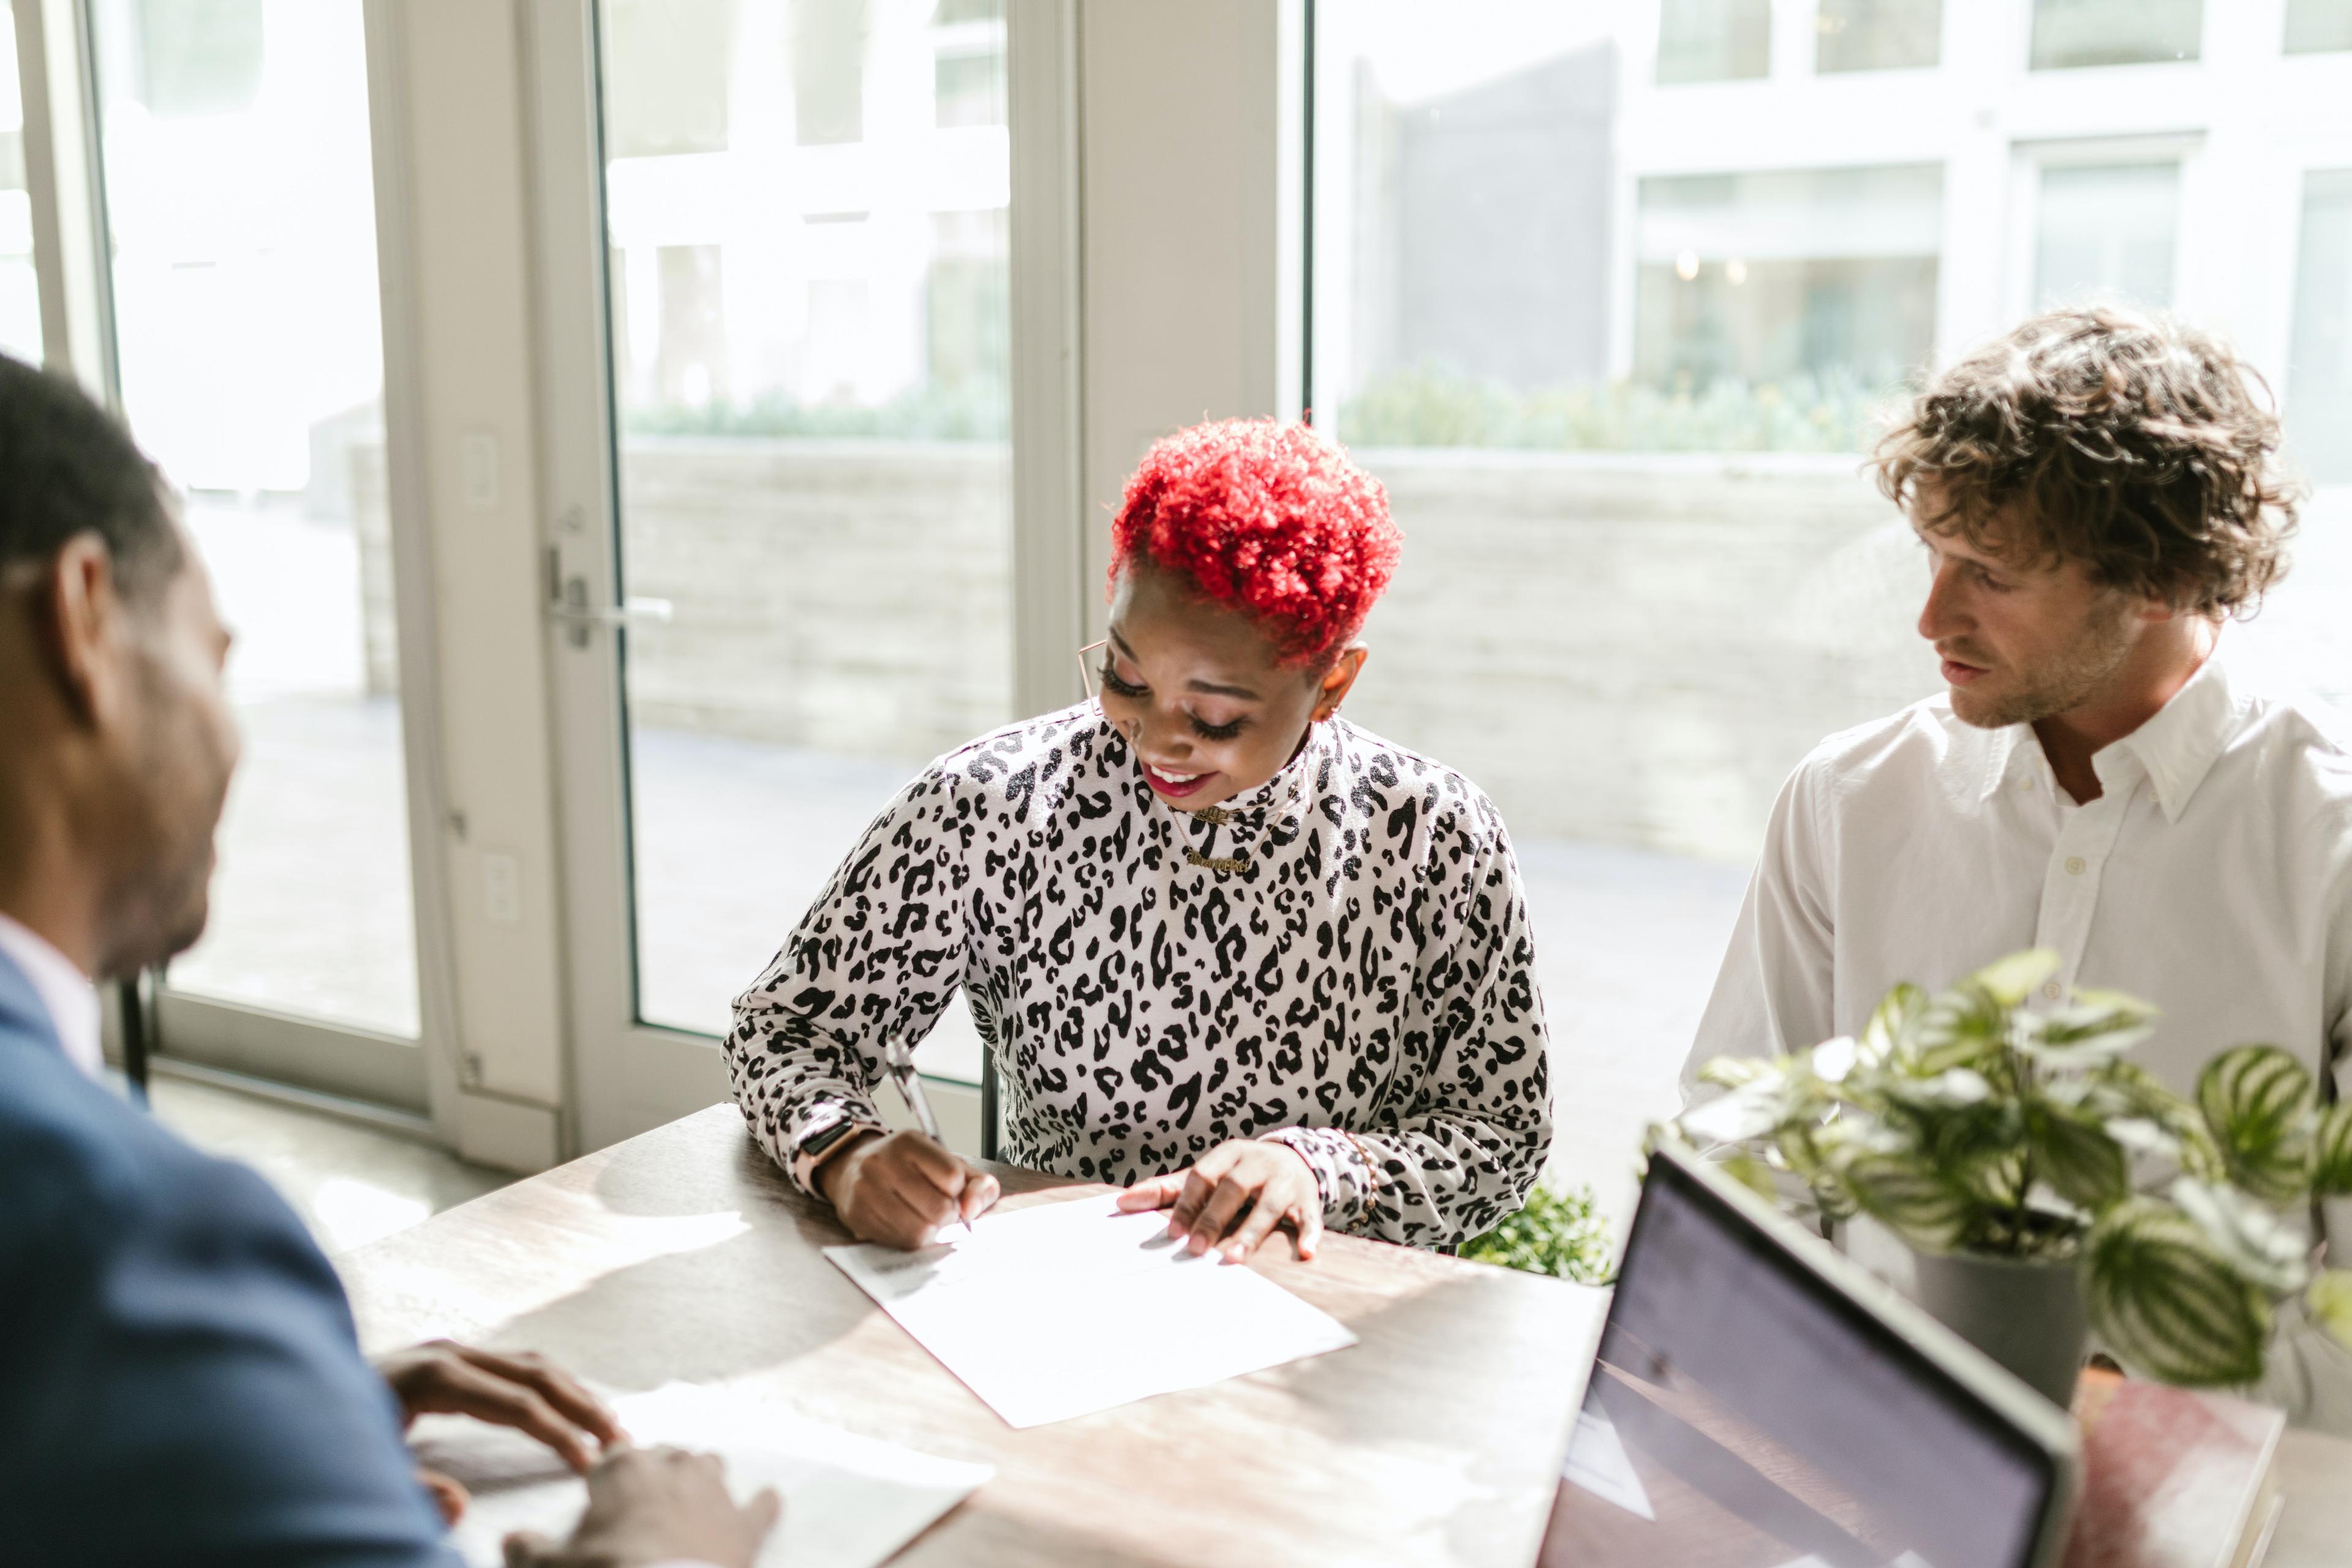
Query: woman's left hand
[[1235, 1197]]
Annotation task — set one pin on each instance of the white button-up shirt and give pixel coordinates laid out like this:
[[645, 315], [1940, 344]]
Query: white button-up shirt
[[65, 992], [2212, 877]]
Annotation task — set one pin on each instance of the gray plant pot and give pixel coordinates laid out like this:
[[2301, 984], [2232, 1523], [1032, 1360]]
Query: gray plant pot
[[2027, 1315]]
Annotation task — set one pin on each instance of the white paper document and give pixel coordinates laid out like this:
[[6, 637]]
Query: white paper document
[[1070, 1307], [849, 1501]]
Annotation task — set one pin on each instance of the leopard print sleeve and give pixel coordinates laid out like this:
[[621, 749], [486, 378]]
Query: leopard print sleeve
[[874, 958], [1472, 1123]]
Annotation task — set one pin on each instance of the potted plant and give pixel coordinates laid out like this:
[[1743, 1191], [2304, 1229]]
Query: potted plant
[[2047, 1183]]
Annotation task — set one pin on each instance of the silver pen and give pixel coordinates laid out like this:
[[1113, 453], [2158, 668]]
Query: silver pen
[[900, 1058]]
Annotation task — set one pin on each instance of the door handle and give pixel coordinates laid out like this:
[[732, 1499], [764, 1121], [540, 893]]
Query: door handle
[[578, 618]]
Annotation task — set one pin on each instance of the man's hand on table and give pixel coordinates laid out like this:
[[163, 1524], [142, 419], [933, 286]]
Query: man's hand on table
[[649, 1506], [1236, 1196], [522, 1391], [899, 1188]]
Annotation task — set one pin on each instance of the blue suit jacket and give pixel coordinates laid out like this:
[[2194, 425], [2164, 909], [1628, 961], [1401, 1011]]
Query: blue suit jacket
[[179, 1379]]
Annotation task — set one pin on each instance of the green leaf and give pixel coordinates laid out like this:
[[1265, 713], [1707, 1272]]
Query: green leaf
[[2259, 1102], [1993, 1178], [2329, 1302], [1561, 1235], [1920, 1204], [2258, 1245], [2077, 1157], [2010, 981], [1947, 1090], [1965, 1026], [2331, 1165], [2167, 1303], [1752, 1173], [1896, 1016], [2085, 1034], [1752, 1111], [1737, 1072], [1832, 1060], [2122, 1090]]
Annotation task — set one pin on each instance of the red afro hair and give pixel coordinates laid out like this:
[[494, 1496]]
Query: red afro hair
[[1269, 519]]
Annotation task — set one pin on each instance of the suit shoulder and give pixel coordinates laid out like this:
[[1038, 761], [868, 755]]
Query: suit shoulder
[[74, 1166], [87, 1171]]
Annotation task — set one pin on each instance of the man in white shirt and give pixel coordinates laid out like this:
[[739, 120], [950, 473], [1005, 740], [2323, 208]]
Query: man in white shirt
[[2098, 496], [179, 1380]]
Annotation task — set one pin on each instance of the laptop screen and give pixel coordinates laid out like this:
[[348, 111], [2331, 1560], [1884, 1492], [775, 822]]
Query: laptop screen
[[1744, 1411]]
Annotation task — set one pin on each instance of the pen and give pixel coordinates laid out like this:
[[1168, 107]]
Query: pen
[[910, 1084], [901, 1059]]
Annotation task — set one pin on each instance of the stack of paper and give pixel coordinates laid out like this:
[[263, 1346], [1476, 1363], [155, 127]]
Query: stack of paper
[[1071, 1308], [849, 1501]]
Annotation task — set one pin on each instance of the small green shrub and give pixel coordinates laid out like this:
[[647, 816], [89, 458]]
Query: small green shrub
[[972, 411], [1432, 405], [1559, 1234]]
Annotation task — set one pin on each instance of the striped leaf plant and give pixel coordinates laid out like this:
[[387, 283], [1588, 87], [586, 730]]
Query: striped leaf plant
[[1971, 1122]]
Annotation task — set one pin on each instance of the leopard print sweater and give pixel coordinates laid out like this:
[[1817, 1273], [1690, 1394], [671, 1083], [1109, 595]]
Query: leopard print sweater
[[1356, 981]]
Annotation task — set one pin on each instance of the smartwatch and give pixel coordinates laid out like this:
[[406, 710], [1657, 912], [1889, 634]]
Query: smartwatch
[[814, 1148]]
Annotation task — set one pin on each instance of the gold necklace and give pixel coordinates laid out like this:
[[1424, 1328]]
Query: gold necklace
[[1218, 816]]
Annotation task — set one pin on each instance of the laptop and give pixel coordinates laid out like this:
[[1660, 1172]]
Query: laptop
[[1760, 1401]]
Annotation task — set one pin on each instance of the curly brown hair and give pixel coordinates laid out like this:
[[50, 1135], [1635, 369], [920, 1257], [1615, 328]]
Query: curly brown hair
[[2127, 441]]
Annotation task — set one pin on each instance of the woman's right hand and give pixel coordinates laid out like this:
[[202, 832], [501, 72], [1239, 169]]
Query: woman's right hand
[[901, 1188]]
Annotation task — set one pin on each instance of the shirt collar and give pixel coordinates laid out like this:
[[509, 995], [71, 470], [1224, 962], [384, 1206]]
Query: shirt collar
[[1292, 783], [64, 990], [2187, 735], [2177, 748]]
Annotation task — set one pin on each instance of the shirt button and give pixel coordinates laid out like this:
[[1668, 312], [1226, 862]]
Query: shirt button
[[2074, 865], [2051, 989], [2025, 783]]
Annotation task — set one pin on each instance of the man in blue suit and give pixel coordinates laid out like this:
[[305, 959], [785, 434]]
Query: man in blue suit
[[180, 1383]]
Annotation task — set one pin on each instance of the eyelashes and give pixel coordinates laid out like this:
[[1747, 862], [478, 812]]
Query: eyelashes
[[1129, 691]]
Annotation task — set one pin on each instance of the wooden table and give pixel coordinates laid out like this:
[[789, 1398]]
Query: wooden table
[[684, 1253]]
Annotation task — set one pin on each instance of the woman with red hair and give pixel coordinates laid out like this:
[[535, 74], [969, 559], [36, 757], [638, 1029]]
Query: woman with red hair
[[1229, 952]]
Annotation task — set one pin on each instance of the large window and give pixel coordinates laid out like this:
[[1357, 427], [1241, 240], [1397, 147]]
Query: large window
[[1714, 40], [1878, 34], [2107, 230], [2073, 33], [2317, 27], [1820, 283], [240, 208], [20, 292], [2319, 376], [1617, 345], [805, 206]]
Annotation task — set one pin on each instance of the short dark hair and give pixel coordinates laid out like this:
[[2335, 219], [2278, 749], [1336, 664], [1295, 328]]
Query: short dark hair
[[68, 467], [2119, 438]]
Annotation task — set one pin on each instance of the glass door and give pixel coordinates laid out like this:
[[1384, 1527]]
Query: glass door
[[784, 566], [234, 161]]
